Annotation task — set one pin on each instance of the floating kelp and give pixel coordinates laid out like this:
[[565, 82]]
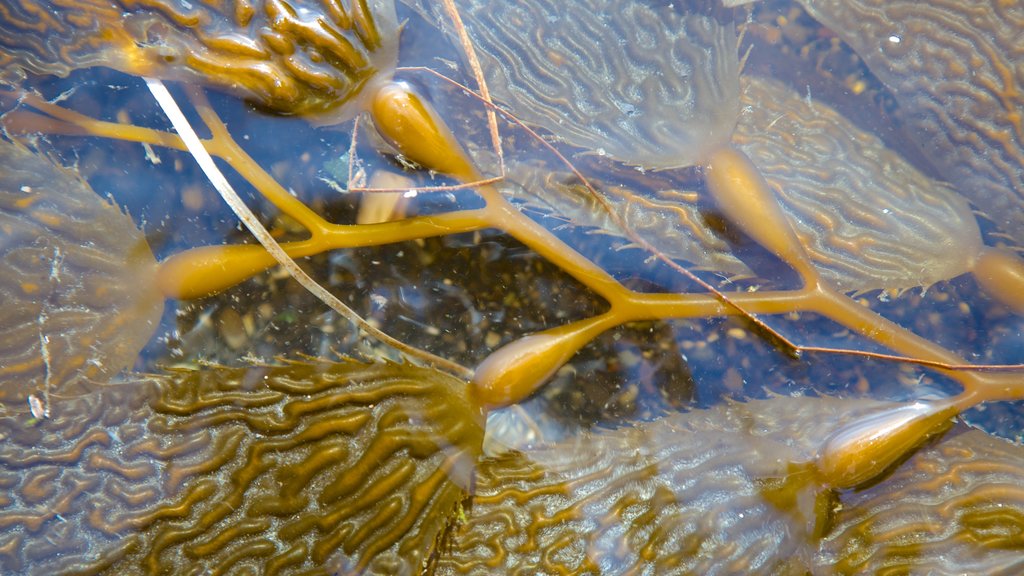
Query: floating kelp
[[945, 511], [327, 63], [316, 466], [738, 187], [78, 285], [264, 470], [896, 228], [730, 490], [356, 468], [867, 218], [954, 66], [670, 98], [285, 56]]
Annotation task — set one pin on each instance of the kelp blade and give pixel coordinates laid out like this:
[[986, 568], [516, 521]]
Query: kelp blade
[[650, 84], [263, 470], [954, 508], [955, 68], [77, 293], [728, 491], [290, 57], [362, 468], [868, 219]]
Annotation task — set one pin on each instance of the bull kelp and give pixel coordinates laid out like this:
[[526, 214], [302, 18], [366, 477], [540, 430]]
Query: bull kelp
[[584, 191]]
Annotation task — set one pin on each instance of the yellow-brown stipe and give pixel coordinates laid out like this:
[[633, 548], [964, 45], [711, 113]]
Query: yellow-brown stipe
[[513, 373], [78, 283], [354, 468]]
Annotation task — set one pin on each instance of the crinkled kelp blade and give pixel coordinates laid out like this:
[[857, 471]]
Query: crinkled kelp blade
[[337, 467]]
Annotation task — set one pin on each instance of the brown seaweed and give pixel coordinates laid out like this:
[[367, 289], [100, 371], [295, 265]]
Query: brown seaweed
[[382, 452], [520, 367], [671, 96], [356, 468], [327, 63], [282, 55], [944, 511], [78, 284], [743, 197], [261, 470], [729, 491], [897, 229], [954, 66]]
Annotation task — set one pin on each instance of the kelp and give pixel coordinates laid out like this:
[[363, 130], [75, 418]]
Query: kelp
[[955, 69], [731, 490], [343, 467], [313, 467], [281, 55], [897, 228], [309, 466], [79, 283], [671, 95]]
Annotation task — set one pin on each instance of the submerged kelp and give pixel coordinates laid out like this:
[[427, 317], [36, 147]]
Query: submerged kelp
[[898, 228], [730, 491], [741, 194], [674, 96], [347, 467], [277, 469], [315, 466], [970, 476], [955, 67], [283, 56], [78, 282]]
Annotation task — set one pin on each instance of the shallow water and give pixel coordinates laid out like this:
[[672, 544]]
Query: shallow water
[[464, 296]]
